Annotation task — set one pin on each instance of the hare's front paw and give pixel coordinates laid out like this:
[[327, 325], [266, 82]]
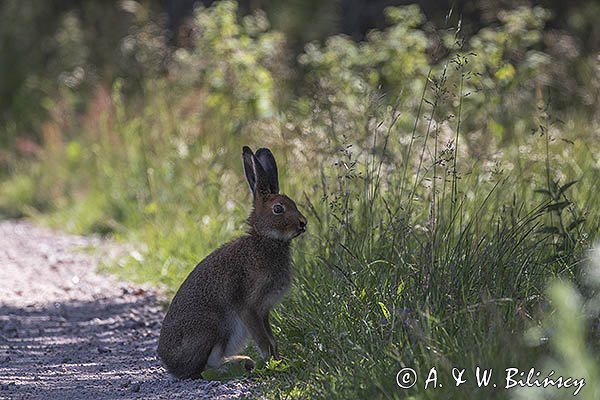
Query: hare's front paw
[[270, 350], [274, 352]]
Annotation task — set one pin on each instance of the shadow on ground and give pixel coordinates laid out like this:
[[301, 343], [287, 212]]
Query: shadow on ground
[[92, 350]]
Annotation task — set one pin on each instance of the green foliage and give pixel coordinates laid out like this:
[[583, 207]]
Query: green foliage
[[509, 68], [395, 58], [232, 61], [574, 312], [51, 54], [428, 244]]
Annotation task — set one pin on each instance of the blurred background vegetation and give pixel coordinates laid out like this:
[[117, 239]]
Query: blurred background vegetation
[[446, 155], [69, 48]]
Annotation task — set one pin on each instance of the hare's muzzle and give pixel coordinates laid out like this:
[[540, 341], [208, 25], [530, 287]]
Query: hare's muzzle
[[302, 224]]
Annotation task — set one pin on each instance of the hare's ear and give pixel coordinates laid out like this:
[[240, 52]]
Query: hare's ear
[[267, 161], [248, 157], [255, 173]]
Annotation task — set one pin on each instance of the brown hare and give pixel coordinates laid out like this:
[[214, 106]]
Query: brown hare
[[230, 293]]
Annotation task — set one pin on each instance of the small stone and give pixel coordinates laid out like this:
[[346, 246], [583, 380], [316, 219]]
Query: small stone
[[135, 387], [133, 324]]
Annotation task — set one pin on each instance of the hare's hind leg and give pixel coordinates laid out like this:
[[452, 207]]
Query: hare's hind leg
[[238, 336], [215, 358], [246, 361], [188, 366], [191, 357]]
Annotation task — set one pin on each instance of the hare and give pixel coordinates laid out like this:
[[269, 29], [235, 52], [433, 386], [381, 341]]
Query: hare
[[229, 295]]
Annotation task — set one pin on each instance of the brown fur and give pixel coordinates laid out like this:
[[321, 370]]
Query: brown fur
[[229, 294]]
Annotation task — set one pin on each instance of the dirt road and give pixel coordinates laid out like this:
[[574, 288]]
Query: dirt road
[[68, 332]]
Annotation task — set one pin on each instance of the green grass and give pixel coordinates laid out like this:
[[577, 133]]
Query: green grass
[[391, 274]]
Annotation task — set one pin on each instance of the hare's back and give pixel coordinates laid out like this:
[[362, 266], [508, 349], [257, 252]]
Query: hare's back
[[215, 281]]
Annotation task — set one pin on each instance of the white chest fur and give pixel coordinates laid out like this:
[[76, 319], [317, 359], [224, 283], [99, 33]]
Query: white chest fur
[[275, 294], [237, 339]]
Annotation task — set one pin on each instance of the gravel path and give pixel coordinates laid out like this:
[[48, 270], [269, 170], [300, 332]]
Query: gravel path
[[67, 332]]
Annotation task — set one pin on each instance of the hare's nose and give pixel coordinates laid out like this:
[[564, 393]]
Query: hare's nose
[[303, 223]]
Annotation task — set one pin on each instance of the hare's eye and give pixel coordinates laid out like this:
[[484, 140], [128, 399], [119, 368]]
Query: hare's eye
[[278, 209]]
